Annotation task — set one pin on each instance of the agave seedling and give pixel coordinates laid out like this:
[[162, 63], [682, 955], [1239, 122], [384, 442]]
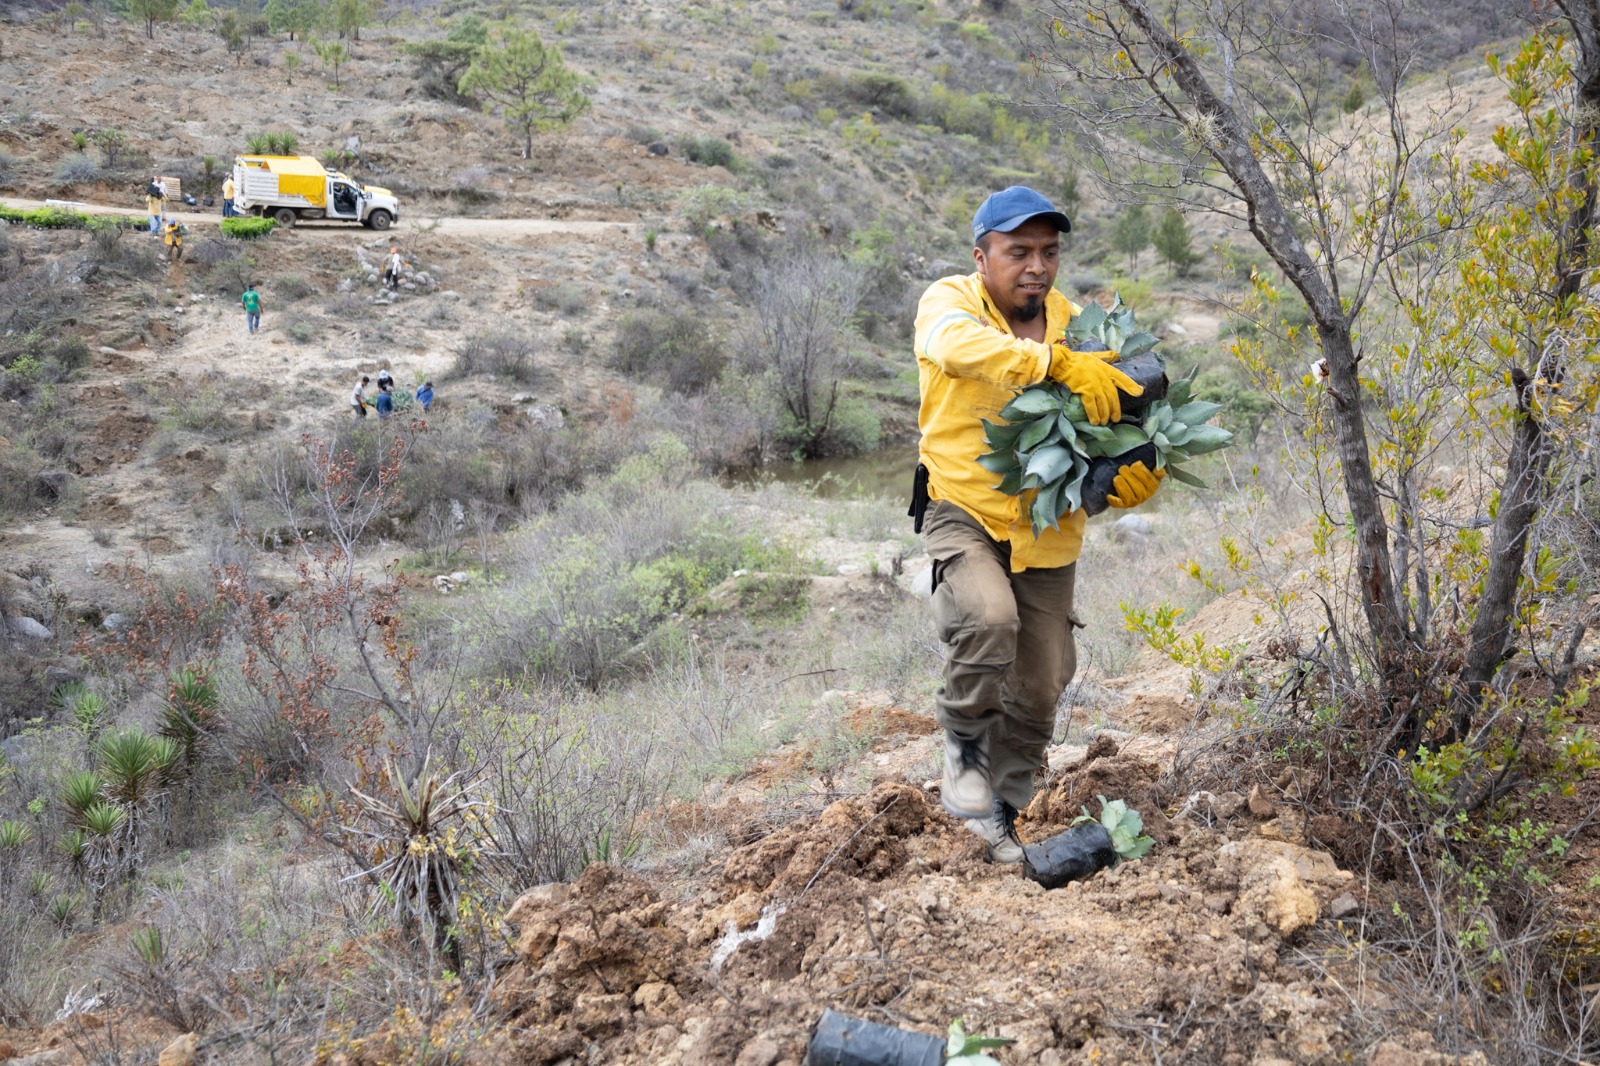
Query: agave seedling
[[190, 713], [81, 791], [1125, 825], [14, 836], [1047, 444], [1087, 846]]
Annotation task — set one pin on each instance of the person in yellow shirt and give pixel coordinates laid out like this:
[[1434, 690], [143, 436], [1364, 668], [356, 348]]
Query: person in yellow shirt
[[227, 196], [1002, 597], [174, 240]]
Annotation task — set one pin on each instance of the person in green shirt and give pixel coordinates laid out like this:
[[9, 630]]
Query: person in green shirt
[[252, 306]]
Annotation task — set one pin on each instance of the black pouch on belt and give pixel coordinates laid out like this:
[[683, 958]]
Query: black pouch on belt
[[919, 498]]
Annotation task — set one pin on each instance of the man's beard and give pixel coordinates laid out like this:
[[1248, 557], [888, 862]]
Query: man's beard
[[1029, 310]]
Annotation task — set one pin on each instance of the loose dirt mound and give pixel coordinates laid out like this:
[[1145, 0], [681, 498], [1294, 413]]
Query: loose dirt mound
[[883, 907]]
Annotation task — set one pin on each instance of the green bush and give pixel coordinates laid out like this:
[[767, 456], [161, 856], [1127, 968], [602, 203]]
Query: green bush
[[675, 349], [709, 151], [247, 229]]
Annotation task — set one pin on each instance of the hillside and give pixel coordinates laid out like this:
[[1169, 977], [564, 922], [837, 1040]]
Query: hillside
[[676, 711]]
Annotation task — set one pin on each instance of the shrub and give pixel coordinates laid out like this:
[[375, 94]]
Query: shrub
[[565, 297], [302, 332], [675, 349], [507, 354], [709, 151], [8, 163], [703, 203], [292, 287], [247, 229], [76, 167]]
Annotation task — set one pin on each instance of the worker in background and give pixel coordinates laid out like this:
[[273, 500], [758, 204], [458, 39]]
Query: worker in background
[[154, 204], [1002, 597], [392, 267], [358, 397], [384, 402], [251, 301], [425, 396], [174, 241], [227, 198]]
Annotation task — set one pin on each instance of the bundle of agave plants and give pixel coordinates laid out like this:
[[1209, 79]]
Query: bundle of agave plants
[[1047, 443]]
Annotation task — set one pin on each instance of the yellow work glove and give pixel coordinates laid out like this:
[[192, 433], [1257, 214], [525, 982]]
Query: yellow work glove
[[1134, 484], [1095, 380]]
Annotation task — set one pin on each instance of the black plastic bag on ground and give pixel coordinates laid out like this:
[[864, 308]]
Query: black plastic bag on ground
[[844, 1041], [1072, 855]]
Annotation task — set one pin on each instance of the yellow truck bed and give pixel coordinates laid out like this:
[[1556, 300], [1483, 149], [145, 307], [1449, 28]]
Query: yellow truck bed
[[285, 176]]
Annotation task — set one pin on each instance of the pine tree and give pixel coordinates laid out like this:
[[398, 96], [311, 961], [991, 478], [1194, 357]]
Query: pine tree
[[1131, 234], [530, 82], [152, 12], [1173, 243]]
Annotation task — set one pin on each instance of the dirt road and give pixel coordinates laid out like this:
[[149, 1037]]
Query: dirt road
[[456, 227]]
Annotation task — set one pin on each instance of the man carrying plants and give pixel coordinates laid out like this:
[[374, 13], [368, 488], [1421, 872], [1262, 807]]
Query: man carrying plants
[[1002, 594]]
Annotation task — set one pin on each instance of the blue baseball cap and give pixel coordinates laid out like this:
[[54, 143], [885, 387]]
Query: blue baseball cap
[[1009, 208]]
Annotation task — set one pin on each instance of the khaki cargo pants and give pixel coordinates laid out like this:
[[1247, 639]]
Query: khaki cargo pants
[[1011, 649]]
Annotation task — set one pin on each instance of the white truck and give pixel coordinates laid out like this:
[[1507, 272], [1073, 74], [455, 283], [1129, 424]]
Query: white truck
[[288, 188]]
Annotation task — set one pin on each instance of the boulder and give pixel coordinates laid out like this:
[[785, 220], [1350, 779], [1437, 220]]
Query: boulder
[[31, 628], [180, 1052]]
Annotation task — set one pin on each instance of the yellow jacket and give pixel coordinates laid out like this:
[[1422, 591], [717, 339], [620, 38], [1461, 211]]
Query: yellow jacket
[[969, 366]]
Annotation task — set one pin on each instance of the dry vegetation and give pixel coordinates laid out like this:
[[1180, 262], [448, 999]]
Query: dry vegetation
[[293, 707]]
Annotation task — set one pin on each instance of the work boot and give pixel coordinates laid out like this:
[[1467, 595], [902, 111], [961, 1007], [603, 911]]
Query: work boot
[[966, 792], [999, 829]]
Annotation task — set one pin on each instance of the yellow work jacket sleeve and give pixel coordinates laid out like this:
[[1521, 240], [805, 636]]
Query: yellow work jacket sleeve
[[969, 366]]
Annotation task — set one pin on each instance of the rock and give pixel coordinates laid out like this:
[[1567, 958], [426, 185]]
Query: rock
[[759, 1052], [180, 1052], [658, 148], [1227, 805], [791, 113], [1343, 906], [53, 1057], [460, 577], [941, 268], [1133, 525], [1260, 806], [352, 144], [115, 622], [450, 294], [32, 628], [658, 999], [523, 397], [442, 583], [545, 416], [1280, 883]]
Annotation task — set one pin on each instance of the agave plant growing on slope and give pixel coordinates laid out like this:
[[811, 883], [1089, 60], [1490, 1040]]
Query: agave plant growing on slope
[[1046, 442]]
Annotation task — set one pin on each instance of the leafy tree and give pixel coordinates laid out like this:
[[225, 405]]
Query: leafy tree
[[333, 54], [1173, 243], [348, 16], [230, 27], [291, 63], [294, 17], [530, 82], [112, 143], [1355, 99], [152, 12], [197, 15], [469, 29], [1131, 234]]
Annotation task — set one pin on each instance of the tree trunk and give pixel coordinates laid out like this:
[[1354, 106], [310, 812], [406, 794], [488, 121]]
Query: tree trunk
[[1524, 489], [1229, 142]]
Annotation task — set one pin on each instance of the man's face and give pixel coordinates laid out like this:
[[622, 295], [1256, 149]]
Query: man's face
[[1019, 267]]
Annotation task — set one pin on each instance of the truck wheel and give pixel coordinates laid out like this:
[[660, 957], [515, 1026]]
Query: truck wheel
[[379, 220], [284, 217]]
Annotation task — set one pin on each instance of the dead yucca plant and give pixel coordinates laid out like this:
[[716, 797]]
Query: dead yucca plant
[[422, 840]]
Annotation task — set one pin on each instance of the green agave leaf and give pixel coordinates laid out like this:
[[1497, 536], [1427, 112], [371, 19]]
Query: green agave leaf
[[1178, 393], [1138, 343], [1177, 432], [1203, 439], [1030, 404], [1011, 484], [1159, 439], [1126, 438], [1114, 337], [1089, 320], [1184, 476], [1036, 432], [1097, 432], [1002, 434], [1050, 462], [1068, 431], [1047, 509], [998, 462], [1163, 416], [1196, 412]]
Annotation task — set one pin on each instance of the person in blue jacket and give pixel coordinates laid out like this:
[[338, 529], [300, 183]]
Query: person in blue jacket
[[425, 395], [384, 403]]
